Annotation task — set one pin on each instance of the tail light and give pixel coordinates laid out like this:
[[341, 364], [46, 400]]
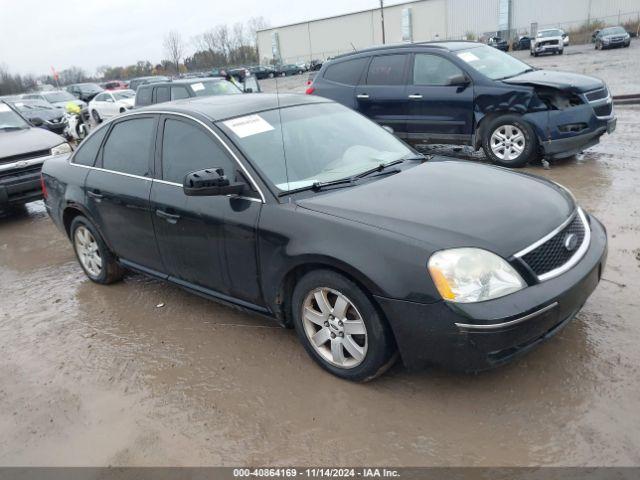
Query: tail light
[[44, 187], [310, 90]]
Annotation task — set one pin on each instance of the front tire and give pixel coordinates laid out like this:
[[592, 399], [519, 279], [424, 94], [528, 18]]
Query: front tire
[[340, 328], [96, 116], [92, 253], [509, 141]]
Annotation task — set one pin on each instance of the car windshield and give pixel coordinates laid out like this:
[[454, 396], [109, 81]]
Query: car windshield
[[493, 63], [297, 147], [219, 87], [54, 97], [549, 33], [10, 120], [124, 94], [613, 31]]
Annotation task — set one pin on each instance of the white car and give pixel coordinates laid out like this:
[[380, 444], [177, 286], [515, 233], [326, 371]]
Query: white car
[[547, 41], [109, 104]]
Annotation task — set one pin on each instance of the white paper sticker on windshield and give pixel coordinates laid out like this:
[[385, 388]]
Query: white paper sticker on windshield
[[249, 125], [197, 87], [467, 57], [4, 108]]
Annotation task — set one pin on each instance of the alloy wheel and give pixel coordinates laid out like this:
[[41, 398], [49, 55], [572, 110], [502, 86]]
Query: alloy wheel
[[88, 251], [507, 142], [334, 327]]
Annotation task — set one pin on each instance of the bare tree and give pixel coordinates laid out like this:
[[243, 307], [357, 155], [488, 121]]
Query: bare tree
[[253, 25], [174, 48]]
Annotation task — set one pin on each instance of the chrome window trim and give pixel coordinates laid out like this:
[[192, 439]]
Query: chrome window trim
[[494, 326], [111, 171], [174, 184], [575, 258], [224, 144]]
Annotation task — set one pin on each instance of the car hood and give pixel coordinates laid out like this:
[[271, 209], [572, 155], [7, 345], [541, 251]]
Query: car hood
[[573, 82], [449, 204], [49, 114], [19, 142]]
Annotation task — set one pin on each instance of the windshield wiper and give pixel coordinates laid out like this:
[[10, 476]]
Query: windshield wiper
[[350, 180], [12, 128], [515, 75]]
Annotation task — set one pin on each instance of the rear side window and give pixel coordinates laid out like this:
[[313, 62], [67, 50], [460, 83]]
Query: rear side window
[[346, 72], [203, 152], [128, 147], [162, 94], [387, 70], [86, 154], [433, 70], [179, 92], [143, 96]]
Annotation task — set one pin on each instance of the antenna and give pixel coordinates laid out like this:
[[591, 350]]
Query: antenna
[[352, 46], [284, 150]]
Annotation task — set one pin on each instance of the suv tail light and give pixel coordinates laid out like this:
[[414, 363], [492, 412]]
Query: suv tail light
[[44, 187], [310, 90]]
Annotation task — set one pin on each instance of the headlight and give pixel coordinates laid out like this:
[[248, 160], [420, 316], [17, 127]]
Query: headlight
[[466, 275], [61, 149]]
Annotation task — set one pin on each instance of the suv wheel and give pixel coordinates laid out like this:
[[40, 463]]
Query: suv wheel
[[340, 328], [96, 116], [93, 255], [509, 141]]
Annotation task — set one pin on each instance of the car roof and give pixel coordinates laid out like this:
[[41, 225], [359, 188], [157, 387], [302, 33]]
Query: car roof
[[182, 81], [446, 45], [221, 107]]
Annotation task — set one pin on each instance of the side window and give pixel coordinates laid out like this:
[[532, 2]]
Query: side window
[[433, 70], [346, 72], [162, 94], [387, 70], [128, 147], [143, 96], [86, 154], [101, 98], [203, 152], [179, 92]]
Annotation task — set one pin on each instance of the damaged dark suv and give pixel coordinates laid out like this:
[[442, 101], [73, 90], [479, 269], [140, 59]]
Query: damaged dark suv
[[467, 93]]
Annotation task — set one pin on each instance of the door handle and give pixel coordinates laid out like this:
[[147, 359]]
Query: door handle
[[95, 194], [362, 96], [415, 96], [169, 217]]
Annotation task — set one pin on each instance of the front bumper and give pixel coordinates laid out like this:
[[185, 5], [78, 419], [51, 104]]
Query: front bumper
[[20, 187], [547, 48], [472, 337]]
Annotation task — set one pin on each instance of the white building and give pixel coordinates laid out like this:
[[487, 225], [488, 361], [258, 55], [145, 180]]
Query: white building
[[424, 20]]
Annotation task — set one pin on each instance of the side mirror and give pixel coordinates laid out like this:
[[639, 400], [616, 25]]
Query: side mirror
[[387, 128], [458, 79], [210, 182], [37, 122]]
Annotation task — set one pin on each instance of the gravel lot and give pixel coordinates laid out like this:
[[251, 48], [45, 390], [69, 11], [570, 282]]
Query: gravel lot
[[95, 375]]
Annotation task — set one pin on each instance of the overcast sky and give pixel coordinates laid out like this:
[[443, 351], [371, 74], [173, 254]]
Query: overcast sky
[[35, 35]]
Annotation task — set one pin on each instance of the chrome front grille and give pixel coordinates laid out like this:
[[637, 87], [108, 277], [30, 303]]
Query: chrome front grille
[[560, 250]]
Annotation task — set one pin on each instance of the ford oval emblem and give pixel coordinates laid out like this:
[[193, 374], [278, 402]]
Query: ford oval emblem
[[570, 241]]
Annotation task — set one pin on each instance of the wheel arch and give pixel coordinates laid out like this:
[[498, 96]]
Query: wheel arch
[[73, 210], [282, 301]]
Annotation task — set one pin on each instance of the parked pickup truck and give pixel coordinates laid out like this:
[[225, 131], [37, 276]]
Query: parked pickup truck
[[23, 150]]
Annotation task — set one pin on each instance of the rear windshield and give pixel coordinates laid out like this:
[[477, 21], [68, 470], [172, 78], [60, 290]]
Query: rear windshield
[[218, 87]]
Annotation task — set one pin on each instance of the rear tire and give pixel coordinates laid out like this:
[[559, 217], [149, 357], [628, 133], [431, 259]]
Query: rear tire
[[340, 328], [509, 141], [96, 116], [92, 253]]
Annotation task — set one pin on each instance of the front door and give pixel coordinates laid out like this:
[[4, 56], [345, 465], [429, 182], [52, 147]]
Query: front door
[[438, 111], [207, 243], [382, 96], [118, 191]]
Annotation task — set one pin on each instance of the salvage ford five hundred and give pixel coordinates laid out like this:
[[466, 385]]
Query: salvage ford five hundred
[[302, 210]]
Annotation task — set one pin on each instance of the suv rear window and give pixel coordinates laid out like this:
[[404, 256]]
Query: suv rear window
[[387, 70], [143, 95], [346, 72]]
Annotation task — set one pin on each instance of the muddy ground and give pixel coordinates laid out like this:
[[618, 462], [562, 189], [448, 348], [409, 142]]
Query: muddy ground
[[99, 375]]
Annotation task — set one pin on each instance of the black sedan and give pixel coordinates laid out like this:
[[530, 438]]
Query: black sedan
[[299, 209], [42, 115], [289, 69]]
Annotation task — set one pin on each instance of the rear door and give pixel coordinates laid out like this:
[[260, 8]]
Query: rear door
[[381, 94], [207, 243], [118, 190], [438, 111], [161, 94], [339, 80]]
